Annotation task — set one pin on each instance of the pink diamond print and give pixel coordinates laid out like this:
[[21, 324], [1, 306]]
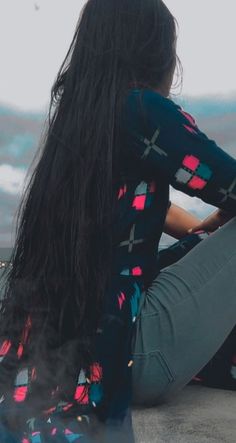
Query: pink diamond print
[[191, 162], [137, 271], [197, 183], [121, 299], [5, 347], [20, 350], [79, 393], [96, 372], [20, 394], [139, 202], [122, 191]]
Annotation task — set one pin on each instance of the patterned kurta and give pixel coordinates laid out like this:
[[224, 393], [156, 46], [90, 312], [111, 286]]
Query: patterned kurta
[[161, 146]]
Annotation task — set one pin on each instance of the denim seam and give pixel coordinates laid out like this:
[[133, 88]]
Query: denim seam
[[164, 364], [197, 289]]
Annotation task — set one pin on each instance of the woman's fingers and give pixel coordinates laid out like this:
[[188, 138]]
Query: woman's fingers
[[208, 225], [196, 228]]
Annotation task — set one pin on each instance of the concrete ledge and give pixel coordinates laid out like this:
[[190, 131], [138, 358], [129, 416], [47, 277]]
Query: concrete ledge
[[195, 415]]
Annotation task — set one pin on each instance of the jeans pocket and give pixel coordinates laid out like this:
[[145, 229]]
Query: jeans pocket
[[151, 375], [146, 332]]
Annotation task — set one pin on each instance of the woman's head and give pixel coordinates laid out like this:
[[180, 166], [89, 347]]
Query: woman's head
[[63, 254], [136, 36]]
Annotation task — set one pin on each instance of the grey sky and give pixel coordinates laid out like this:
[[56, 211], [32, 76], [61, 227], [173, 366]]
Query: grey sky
[[34, 42]]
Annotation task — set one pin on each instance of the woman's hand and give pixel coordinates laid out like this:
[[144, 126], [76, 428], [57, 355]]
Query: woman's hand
[[212, 222], [178, 221]]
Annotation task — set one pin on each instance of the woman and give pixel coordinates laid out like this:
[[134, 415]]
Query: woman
[[92, 317]]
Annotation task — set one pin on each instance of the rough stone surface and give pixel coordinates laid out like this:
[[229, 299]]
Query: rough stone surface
[[195, 415]]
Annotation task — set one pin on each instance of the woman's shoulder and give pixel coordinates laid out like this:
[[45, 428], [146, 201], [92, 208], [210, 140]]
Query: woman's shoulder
[[146, 105], [151, 96]]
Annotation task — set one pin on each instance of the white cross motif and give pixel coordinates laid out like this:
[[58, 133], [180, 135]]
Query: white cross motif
[[82, 377], [228, 192], [151, 144], [131, 242]]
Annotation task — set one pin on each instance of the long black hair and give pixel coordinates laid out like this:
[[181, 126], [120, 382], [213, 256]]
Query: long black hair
[[62, 257]]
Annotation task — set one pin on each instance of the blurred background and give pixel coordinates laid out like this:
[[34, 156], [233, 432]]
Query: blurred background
[[34, 39]]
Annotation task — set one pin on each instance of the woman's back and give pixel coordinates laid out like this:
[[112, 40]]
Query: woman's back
[[163, 146]]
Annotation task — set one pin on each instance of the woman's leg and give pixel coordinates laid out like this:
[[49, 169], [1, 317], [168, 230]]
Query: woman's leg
[[184, 317], [220, 371]]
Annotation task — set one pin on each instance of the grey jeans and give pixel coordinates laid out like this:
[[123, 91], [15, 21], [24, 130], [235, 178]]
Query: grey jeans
[[184, 317]]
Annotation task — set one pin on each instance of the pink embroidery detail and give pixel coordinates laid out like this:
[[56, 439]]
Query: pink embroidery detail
[[197, 183], [188, 117], [95, 372], [122, 191], [54, 431], [121, 299], [68, 431], [191, 162], [65, 408], [189, 129], [139, 202], [20, 350], [49, 411], [5, 347], [78, 394], [25, 440], [20, 393], [137, 271]]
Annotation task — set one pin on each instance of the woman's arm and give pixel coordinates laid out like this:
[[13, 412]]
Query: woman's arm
[[167, 143], [178, 221]]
